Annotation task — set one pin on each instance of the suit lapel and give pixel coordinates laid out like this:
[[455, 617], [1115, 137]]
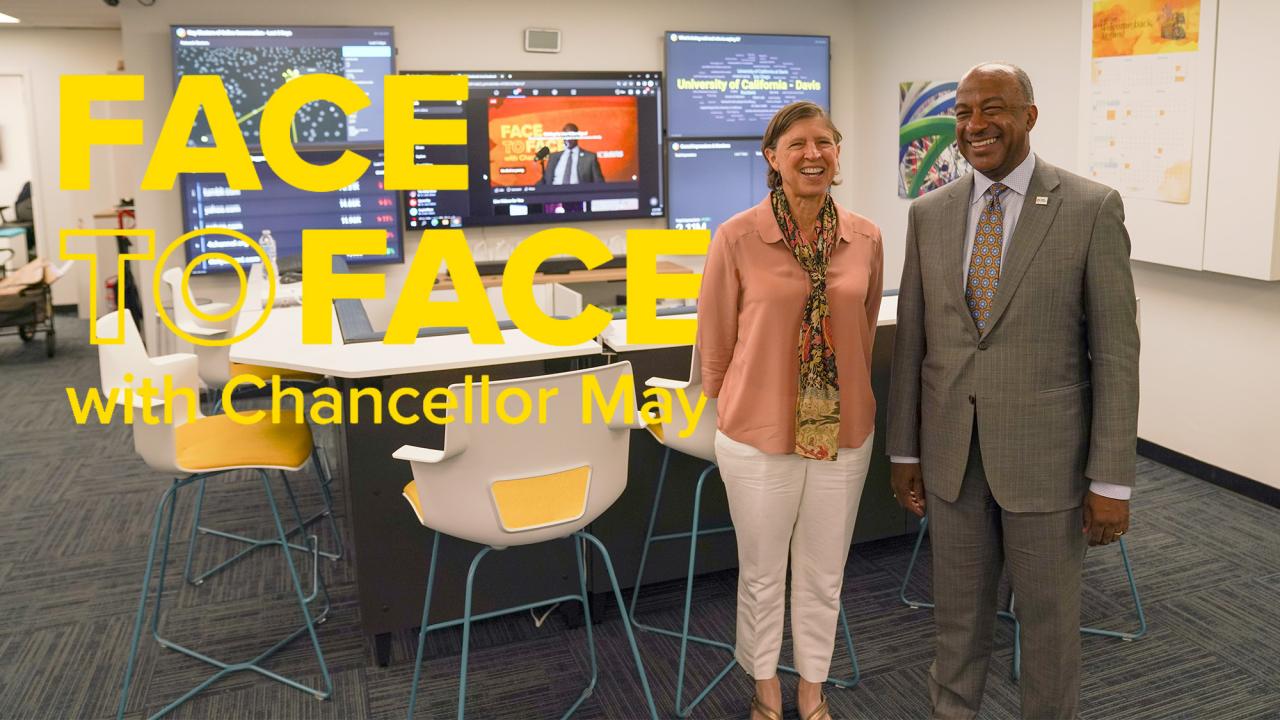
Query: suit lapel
[[1033, 224], [955, 221]]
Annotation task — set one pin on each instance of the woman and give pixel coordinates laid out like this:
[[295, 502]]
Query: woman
[[786, 318]]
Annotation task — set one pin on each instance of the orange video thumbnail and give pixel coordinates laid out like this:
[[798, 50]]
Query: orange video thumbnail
[[529, 133]]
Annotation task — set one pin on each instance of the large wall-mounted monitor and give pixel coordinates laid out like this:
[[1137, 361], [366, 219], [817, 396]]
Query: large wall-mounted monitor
[[254, 61], [731, 84], [710, 181], [547, 147], [208, 201]]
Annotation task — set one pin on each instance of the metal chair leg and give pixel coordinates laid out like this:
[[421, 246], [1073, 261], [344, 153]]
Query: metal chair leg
[[425, 627], [587, 624], [1137, 604], [468, 618], [626, 624], [466, 631], [253, 544], [911, 566], [168, 501], [141, 614]]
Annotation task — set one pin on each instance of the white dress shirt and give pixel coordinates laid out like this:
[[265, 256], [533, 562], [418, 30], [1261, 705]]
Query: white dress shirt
[[1017, 181]]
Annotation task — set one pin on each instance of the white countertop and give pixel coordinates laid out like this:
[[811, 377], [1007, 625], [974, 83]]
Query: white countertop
[[278, 343], [615, 335]]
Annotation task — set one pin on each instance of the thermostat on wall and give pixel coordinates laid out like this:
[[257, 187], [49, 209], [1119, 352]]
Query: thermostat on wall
[[545, 40]]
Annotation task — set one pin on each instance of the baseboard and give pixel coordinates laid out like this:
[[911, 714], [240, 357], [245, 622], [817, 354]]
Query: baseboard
[[1210, 473]]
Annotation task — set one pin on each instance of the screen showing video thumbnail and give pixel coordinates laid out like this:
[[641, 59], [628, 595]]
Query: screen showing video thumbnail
[[710, 181], [547, 147], [254, 61], [285, 211], [730, 85]]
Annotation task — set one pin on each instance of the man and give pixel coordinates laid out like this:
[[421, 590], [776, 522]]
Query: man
[[1014, 398], [573, 165]]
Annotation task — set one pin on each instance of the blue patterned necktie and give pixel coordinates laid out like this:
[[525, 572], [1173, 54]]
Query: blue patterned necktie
[[984, 264]]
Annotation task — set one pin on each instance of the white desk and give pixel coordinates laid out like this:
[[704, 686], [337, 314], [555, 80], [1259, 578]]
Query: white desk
[[278, 343], [615, 335]]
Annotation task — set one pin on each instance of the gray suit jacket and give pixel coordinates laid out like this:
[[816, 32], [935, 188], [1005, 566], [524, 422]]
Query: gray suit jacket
[[588, 168], [1053, 381]]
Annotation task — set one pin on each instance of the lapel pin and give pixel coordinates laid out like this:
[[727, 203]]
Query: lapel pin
[[1042, 200]]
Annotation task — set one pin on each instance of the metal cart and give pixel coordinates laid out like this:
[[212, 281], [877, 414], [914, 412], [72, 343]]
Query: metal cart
[[26, 302]]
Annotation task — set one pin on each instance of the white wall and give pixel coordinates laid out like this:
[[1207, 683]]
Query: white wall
[[1209, 383], [1211, 343], [15, 140], [43, 56], [479, 36]]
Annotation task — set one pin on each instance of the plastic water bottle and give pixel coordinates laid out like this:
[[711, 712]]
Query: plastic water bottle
[[268, 244]]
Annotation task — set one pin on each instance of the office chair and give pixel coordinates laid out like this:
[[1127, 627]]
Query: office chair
[[700, 443], [502, 485], [195, 450], [23, 219], [1011, 614], [216, 370]]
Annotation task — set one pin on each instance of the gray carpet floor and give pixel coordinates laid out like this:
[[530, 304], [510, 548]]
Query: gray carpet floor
[[77, 506]]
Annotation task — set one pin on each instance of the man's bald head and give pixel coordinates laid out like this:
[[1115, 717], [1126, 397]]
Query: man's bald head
[[1019, 76]]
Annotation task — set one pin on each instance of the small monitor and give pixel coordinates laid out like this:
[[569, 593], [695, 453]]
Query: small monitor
[[731, 84], [546, 147], [208, 202], [710, 181], [253, 61]]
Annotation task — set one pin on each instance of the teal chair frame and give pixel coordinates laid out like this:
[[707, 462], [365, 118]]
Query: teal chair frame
[[164, 517], [1012, 616], [253, 544], [683, 634], [579, 539]]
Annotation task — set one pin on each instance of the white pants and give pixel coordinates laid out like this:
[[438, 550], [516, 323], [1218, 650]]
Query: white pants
[[787, 502]]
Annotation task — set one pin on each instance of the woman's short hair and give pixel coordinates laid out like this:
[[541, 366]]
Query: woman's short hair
[[782, 122]]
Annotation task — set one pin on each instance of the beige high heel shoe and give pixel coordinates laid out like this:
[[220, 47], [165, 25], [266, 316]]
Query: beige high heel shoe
[[821, 711], [766, 711]]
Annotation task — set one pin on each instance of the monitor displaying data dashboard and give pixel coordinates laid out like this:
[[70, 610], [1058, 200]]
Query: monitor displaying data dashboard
[[546, 147], [710, 181], [209, 202], [254, 61], [731, 84]]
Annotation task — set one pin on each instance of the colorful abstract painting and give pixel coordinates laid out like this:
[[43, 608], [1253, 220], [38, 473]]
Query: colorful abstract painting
[[928, 156]]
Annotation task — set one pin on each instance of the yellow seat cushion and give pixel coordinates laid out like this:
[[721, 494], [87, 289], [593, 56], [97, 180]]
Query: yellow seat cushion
[[216, 442], [411, 494], [539, 501], [654, 426], [265, 373]]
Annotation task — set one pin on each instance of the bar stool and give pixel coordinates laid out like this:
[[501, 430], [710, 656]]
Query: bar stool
[[699, 442], [1010, 613], [508, 484], [205, 447], [216, 370]]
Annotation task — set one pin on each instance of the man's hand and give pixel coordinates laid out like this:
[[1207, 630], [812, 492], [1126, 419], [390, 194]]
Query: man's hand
[[908, 486], [1105, 519]]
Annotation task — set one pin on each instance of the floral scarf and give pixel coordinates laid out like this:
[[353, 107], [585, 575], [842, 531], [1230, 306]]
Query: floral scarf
[[818, 399]]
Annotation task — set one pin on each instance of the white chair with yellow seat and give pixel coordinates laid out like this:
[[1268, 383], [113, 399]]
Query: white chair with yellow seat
[[198, 447], [675, 434], [504, 484], [216, 370]]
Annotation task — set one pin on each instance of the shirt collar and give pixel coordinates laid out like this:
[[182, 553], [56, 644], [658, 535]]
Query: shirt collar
[[767, 225], [1018, 180]]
